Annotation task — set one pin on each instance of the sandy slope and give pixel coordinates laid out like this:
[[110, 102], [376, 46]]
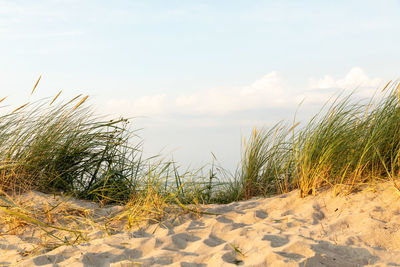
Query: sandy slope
[[361, 229]]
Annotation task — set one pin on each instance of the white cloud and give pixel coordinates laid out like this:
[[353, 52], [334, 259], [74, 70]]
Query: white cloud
[[355, 78], [270, 91], [321, 90]]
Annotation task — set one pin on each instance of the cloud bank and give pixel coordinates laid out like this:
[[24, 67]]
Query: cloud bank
[[355, 78], [269, 92]]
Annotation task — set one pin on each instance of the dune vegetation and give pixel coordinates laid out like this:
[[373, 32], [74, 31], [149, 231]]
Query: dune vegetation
[[63, 148], [348, 144]]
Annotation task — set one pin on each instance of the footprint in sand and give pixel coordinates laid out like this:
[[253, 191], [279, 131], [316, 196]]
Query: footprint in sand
[[232, 258], [238, 226], [248, 205], [140, 234], [192, 264], [290, 256], [276, 241], [223, 219], [48, 259], [328, 254], [196, 225], [181, 240], [261, 214], [317, 215], [213, 241], [100, 259], [159, 260]]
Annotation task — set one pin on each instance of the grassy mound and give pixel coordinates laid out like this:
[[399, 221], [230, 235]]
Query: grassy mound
[[347, 144]]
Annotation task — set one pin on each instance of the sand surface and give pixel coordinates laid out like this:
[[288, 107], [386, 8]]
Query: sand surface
[[361, 229]]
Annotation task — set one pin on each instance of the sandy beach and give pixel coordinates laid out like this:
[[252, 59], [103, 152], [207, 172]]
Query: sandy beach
[[199, 133], [360, 229]]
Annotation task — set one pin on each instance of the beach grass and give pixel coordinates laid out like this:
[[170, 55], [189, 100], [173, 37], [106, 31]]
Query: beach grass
[[349, 143], [62, 148]]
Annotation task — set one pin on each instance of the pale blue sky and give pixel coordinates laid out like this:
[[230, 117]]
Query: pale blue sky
[[202, 72]]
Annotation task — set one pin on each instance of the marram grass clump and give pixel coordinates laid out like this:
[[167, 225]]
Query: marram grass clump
[[348, 144], [63, 148]]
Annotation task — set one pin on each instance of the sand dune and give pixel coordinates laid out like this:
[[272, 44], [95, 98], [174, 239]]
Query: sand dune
[[361, 229]]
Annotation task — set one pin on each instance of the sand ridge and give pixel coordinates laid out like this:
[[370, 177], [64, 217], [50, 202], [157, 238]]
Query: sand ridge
[[360, 229]]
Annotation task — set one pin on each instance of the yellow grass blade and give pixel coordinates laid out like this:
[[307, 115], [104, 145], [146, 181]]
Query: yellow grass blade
[[1, 100], [237, 249], [24, 105], [14, 205], [34, 221], [73, 99], [396, 186], [66, 114], [384, 88], [193, 210], [36, 84], [54, 99], [330, 117], [398, 90], [294, 126], [80, 102]]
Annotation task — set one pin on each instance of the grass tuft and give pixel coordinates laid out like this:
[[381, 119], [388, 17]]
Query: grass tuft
[[346, 145]]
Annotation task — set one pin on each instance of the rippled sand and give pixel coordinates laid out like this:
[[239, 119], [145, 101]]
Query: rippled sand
[[361, 229]]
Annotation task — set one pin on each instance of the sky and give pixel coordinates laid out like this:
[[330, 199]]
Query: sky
[[197, 76]]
